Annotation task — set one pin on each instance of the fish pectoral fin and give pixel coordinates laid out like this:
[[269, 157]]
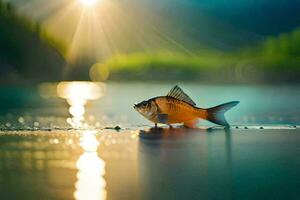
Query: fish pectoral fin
[[162, 118], [191, 124]]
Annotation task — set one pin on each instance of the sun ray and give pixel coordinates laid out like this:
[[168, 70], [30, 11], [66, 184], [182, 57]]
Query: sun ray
[[75, 38], [66, 18], [88, 3], [41, 10], [98, 29]]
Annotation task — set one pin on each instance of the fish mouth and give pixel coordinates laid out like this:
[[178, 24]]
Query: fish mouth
[[135, 106]]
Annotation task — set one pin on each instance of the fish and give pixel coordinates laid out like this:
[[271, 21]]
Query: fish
[[178, 108]]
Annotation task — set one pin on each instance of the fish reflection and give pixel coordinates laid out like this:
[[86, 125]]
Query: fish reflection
[[167, 133], [91, 169], [77, 94]]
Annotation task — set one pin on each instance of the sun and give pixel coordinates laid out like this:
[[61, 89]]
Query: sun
[[88, 3]]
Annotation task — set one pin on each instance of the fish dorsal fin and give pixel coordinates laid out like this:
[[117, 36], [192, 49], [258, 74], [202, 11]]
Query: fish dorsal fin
[[177, 93]]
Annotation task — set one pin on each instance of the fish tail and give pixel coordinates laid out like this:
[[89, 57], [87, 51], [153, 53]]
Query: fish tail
[[216, 114]]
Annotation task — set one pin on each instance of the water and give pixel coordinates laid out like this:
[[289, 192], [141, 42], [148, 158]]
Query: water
[[259, 104], [67, 148]]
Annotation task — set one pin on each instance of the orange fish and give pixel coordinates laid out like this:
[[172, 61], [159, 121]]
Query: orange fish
[[177, 107]]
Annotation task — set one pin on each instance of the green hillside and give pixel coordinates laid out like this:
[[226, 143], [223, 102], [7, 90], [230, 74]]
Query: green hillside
[[275, 59]]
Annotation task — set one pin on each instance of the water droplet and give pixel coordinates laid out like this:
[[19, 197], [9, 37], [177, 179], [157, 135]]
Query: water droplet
[[69, 120], [21, 120], [55, 141], [133, 136], [70, 141]]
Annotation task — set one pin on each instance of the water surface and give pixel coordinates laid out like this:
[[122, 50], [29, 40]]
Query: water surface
[[56, 144]]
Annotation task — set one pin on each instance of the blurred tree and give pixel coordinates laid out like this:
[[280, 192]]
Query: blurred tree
[[23, 54]]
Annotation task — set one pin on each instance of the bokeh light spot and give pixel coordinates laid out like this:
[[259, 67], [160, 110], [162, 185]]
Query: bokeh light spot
[[99, 72]]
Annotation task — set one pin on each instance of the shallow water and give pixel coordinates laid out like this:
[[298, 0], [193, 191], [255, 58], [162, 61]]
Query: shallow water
[[51, 149]]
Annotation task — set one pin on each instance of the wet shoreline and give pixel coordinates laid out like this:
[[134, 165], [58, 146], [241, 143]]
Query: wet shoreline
[[137, 163]]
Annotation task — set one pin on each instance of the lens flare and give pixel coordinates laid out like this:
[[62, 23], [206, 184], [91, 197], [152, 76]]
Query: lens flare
[[99, 72], [96, 30]]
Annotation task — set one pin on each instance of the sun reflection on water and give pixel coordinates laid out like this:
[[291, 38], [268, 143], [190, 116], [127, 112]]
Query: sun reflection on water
[[91, 169], [90, 182], [77, 94]]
